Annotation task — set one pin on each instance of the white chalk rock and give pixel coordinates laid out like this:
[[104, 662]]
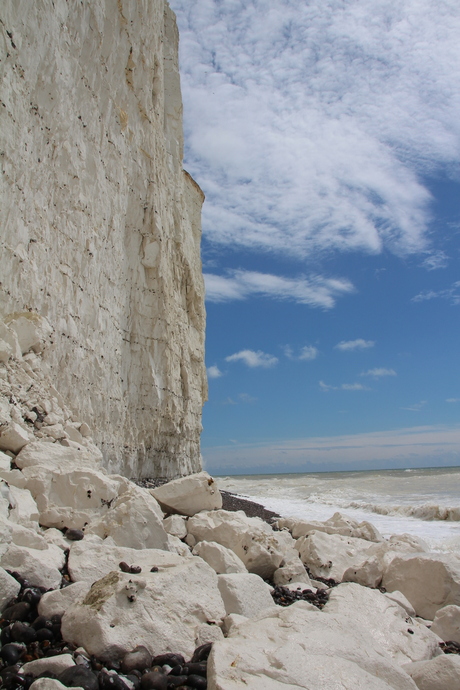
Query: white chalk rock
[[189, 495], [70, 498], [5, 462], [221, 559], [59, 600], [369, 573], [175, 545], [176, 526], [385, 621], [5, 500], [244, 593], [296, 647], [56, 664], [32, 330], [49, 684], [330, 555], [14, 437], [400, 599], [260, 548], [9, 588], [55, 536], [294, 571], [161, 610], [337, 524], [34, 565], [429, 581], [446, 623], [91, 559], [24, 508], [9, 343], [442, 673], [205, 633], [13, 477], [134, 520], [25, 536], [57, 457], [5, 534]]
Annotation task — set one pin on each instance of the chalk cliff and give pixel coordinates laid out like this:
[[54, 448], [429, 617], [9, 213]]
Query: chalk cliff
[[100, 225]]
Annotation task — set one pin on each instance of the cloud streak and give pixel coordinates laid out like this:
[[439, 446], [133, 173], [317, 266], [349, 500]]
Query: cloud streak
[[379, 372], [253, 359], [314, 291], [308, 125], [359, 344]]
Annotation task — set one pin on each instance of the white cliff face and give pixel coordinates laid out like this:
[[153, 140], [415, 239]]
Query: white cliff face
[[100, 225]]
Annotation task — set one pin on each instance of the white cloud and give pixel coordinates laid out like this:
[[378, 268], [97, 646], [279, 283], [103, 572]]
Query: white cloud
[[436, 259], [306, 354], [246, 398], [452, 400], [308, 125], [410, 447], [253, 359], [378, 372], [416, 407], [358, 344], [316, 291], [451, 294], [343, 387], [214, 372]]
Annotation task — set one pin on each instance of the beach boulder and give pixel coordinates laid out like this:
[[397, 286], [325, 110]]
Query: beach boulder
[[386, 622], [442, 673], [429, 581], [221, 559], [337, 524], [446, 623], [330, 555], [301, 647], [189, 495], [244, 593], [260, 548]]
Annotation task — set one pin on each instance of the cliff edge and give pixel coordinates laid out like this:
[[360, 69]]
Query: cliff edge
[[100, 225]]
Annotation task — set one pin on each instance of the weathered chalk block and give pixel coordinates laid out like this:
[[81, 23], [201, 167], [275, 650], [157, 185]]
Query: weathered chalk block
[[296, 647], [446, 623], [244, 593], [189, 495], [161, 610], [221, 559], [442, 673], [9, 588]]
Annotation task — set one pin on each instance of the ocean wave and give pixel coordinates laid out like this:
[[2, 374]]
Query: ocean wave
[[427, 511]]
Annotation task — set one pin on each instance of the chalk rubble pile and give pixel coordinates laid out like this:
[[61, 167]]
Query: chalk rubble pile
[[106, 584]]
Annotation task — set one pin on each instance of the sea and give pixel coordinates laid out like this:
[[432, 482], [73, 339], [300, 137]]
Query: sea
[[421, 502]]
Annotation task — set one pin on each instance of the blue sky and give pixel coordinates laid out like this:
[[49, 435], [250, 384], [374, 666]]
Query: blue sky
[[326, 137]]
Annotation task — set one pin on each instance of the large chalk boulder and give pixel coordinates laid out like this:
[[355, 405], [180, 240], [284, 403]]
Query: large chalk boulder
[[189, 495], [221, 559], [429, 581], [134, 519], [92, 558], [387, 623], [163, 611], [9, 588], [442, 673], [57, 457], [260, 548], [39, 566], [244, 593], [446, 623], [330, 555], [297, 647]]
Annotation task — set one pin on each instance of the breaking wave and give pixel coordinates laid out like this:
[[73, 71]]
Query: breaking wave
[[426, 511]]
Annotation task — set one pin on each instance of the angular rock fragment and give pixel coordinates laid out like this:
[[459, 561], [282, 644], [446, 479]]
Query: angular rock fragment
[[189, 495]]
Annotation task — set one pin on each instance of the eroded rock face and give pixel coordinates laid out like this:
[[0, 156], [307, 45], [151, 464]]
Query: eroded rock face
[[103, 229]]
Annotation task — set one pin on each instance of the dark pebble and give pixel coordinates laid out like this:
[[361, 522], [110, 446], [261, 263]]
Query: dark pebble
[[12, 652], [198, 669], [79, 676], [124, 567], [5, 635], [169, 659], [154, 569], [154, 681], [42, 622], [135, 569], [201, 653], [450, 647], [74, 534], [110, 680], [17, 612], [176, 681], [139, 659], [285, 597], [135, 680], [23, 632], [44, 634], [32, 595], [197, 682]]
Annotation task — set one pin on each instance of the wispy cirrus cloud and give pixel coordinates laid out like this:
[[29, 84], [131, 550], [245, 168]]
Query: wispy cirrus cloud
[[309, 125], [359, 344], [436, 260], [451, 294], [315, 291], [452, 400], [306, 354], [379, 372], [416, 407], [343, 387], [253, 359]]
